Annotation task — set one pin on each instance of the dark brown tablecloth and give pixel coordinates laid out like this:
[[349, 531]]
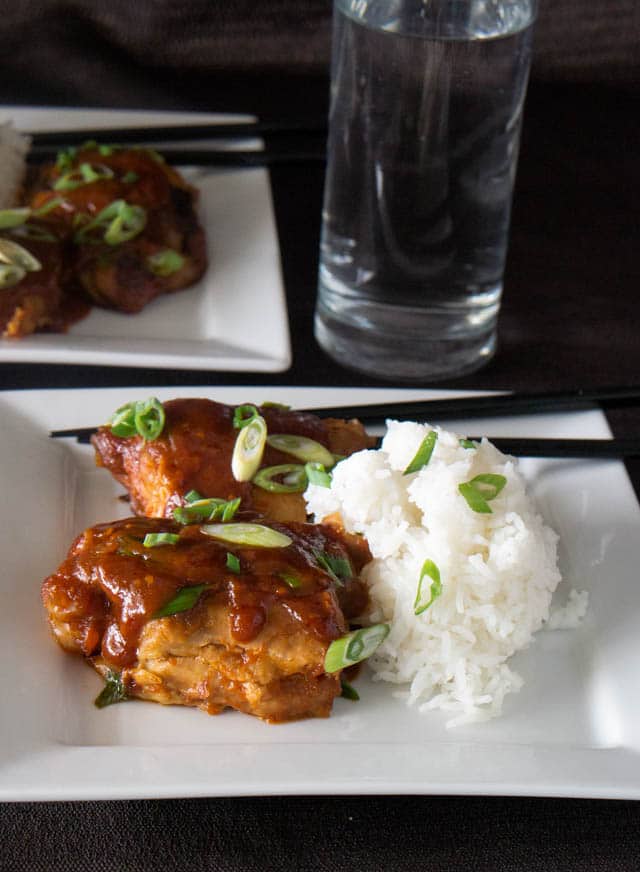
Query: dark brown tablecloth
[[570, 318]]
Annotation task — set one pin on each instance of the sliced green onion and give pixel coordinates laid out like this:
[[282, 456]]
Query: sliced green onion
[[424, 598], [185, 599], [292, 580], [151, 540], [423, 454], [128, 223], [348, 692], [339, 568], [35, 232], [145, 418], [112, 692], [233, 563], [85, 174], [15, 255], [49, 206], [192, 496], [481, 490], [295, 479], [119, 220], [149, 418], [13, 217], [253, 535], [165, 263], [130, 177], [248, 449], [354, 647], [106, 150], [65, 159], [302, 448], [210, 509], [122, 422], [468, 443], [10, 275], [316, 474], [244, 415]]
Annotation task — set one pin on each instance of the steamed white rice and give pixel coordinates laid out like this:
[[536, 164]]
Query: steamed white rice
[[498, 571]]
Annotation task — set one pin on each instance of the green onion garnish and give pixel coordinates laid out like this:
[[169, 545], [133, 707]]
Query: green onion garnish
[[423, 454], [122, 422], [302, 448], [35, 232], [10, 275], [348, 692], [119, 220], [185, 599], [165, 263], [468, 443], [49, 206], [13, 254], [112, 692], [316, 474], [244, 415], [151, 540], [248, 449], [293, 475], [253, 535], [339, 568], [144, 418], [66, 158], [422, 603], [354, 647], [13, 217], [292, 580], [192, 496], [210, 509], [480, 490], [233, 563], [149, 418], [85, 174], [130, 177]]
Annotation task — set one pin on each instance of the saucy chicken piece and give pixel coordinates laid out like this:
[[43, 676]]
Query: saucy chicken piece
[[194, 452], [131, 218], [34, 301], [253, 631]]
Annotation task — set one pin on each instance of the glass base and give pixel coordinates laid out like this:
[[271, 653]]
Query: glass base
[[407, 344]]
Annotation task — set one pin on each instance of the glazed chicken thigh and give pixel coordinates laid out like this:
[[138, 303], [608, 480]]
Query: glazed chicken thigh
[[197, 620], [194, 452]]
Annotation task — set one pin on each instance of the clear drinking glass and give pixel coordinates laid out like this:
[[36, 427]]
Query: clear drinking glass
[[426, 105]]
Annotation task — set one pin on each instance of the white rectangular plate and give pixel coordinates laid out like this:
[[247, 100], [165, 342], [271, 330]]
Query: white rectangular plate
[[573, 730], [234, 318]]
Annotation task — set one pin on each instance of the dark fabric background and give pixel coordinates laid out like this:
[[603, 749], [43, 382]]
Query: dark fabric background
[[570, 318]]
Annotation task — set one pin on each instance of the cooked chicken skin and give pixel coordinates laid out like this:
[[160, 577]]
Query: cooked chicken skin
[[34, 303], [254, 639], [124, 274], [194, 453]]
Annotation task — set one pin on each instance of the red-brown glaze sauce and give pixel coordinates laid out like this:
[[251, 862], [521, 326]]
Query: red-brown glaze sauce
[[196, 447], [110, 585]]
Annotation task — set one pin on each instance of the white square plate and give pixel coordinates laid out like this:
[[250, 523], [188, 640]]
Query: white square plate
[[573, 730], [234, 318]]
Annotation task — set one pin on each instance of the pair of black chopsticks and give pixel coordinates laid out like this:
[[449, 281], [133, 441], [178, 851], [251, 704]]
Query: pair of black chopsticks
[[502, 405], [45, 144]]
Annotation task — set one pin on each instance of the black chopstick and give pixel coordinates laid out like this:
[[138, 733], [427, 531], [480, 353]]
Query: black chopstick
[[216, 157], [178, 133], [506, 405], [591, 449]]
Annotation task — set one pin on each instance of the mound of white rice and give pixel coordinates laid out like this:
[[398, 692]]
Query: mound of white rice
[[13, 151], [498, 570]]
